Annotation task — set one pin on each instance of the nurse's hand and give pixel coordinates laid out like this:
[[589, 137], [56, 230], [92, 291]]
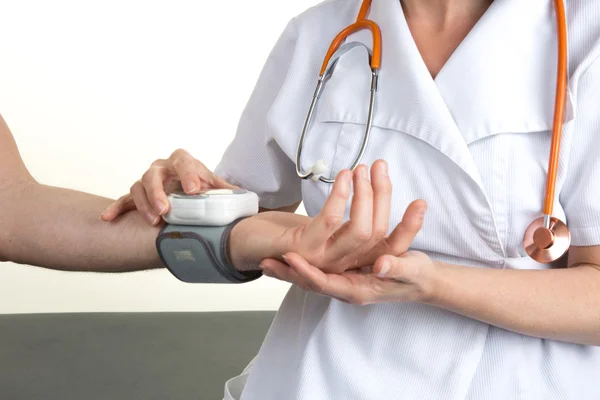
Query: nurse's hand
[[180, 171], [405, 278]]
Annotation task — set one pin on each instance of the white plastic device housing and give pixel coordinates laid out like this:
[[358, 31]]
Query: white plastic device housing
[[217, 207]]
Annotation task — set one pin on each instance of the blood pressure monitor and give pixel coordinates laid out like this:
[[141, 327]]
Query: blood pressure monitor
[[217, 207], [193, 244]]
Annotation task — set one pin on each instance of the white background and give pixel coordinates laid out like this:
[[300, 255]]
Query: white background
[[94, 91]]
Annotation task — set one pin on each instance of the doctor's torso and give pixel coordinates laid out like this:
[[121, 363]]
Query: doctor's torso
[[473, 143]]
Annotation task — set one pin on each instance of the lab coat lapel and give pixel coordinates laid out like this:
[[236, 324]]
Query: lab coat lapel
[[502, 77], [408, 100]]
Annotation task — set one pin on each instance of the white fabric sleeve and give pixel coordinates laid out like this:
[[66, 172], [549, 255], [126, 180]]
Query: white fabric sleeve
[[254, 160], [580, 194]]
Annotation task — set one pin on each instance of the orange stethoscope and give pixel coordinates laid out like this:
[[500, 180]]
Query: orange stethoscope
[[547, 239]]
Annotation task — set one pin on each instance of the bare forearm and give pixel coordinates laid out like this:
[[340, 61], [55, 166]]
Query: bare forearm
[[559, 304], [59, 228]]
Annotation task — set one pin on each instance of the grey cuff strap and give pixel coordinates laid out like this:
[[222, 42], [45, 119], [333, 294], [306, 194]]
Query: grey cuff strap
[[198, 254]]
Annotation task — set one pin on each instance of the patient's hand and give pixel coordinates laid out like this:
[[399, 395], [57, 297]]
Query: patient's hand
[[326, 241]]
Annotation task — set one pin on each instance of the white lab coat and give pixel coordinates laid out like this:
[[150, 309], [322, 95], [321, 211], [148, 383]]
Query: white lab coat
[[474, 144]]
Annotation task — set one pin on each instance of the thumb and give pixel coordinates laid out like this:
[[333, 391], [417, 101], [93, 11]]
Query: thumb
[[401, 268], [403, 235], [121, 206]]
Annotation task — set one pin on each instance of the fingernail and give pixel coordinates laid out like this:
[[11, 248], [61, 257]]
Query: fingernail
[[421, 212], [285, 258], [151, 218], [362, 173], [384, 169], [191, 188], [103, 215], [347, 177], [385, 268], [160, 206]]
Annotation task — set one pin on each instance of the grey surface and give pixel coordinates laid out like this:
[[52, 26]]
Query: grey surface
[[166, 356]]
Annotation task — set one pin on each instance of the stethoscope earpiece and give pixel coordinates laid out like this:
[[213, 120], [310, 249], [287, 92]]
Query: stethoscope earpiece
[[547, 239]]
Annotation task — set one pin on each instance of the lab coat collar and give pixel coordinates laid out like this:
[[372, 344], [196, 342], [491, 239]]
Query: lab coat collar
[[501, 79]]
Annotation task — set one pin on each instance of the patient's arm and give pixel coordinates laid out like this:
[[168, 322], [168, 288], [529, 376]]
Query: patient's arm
[[59, 228]]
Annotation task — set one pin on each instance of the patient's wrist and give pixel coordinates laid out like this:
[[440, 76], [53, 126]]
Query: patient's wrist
[[236, 252], [249, 243], [266, 235]]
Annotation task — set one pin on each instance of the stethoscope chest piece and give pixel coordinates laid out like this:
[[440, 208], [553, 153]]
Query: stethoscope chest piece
[[547, 242]]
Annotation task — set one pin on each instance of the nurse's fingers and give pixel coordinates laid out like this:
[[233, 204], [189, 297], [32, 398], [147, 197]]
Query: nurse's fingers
[[331, 217], [352, 287], [194, 175], [121, 206], [316, 280], [403, 235], [278, 270], [342, 287], [208, 180], [140, 198], [153, 181], [187, 170]]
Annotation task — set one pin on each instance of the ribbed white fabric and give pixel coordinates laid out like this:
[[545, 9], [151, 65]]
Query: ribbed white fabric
[[474, 144]]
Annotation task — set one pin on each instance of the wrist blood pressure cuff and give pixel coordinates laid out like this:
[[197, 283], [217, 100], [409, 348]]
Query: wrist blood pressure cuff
[[198, 254]]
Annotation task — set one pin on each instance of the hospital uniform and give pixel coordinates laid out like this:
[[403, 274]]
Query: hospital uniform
[[474, 143]]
